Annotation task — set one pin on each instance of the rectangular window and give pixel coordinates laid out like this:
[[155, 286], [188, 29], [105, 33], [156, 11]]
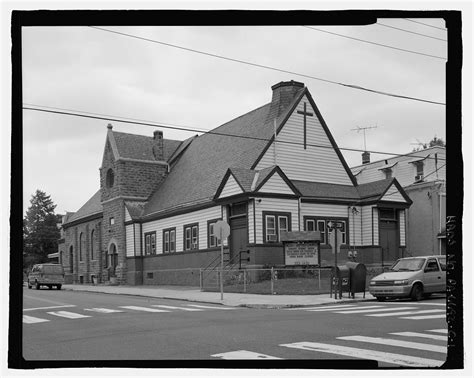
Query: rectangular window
[[213, 239], [112, 221], [388, 173], [169, 240], [309, 225], [191, 239], [150, 243], [274, 224], [322, 229], [320, 224]]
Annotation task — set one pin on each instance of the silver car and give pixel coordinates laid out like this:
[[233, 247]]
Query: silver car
[[414, 277]]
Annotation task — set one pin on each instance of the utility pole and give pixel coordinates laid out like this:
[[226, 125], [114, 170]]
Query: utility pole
[[359, 129]]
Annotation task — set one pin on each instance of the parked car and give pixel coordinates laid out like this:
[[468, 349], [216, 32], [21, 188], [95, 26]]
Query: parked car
[[46, 275], [414, 277]]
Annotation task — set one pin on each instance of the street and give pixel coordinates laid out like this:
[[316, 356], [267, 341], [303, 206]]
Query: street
[[69, 325]]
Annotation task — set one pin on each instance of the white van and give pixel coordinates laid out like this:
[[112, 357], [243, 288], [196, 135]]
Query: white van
[[46, 275]]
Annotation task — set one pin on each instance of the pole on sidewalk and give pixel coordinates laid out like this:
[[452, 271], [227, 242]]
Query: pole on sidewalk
[[222, 266]]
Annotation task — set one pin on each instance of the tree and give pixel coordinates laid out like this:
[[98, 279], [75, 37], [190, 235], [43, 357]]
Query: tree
[[437, 142], [40, 231]]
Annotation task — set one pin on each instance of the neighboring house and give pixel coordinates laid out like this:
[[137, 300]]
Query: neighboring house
[[274, 169], [423, 177]]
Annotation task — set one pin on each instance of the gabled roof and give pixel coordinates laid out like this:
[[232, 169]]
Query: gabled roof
[[135, 209], [91, 207], [140, 147], [199, 172]]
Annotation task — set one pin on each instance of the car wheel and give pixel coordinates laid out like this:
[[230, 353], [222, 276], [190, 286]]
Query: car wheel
[[37, 286], [381, 299], [417, 292], [58, 287], [427, 295]]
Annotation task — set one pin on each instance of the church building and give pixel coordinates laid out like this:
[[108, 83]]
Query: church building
[[272, 171]]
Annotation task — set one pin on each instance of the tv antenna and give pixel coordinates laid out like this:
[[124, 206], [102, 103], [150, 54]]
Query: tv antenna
[[359, 129]]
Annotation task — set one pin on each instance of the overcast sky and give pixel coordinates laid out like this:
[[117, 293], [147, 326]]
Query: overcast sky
[[83, 69]]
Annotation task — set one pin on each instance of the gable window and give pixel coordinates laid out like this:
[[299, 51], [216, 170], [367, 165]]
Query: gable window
[[150, 243], [320, 224], [212, 238], [109, 179], [191, 237], [388, 173], [274, 224], [419, 170], [169, 240]]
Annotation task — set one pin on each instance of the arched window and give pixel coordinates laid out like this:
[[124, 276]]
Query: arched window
[[109, 178], [80, 247], [92, 244], [113, 259]]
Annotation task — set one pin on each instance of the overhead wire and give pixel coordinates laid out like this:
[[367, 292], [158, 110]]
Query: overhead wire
[[211, 132], [422, 23], [269, 67], [375, 43], [411, 32]]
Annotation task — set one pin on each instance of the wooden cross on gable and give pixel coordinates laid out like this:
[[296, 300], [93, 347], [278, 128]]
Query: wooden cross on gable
[[305, 113]]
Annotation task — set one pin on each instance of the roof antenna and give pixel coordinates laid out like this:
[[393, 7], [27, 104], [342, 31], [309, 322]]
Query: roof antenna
[[359, 129]]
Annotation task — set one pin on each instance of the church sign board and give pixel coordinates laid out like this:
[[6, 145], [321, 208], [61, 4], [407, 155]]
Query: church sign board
[[301, 247]]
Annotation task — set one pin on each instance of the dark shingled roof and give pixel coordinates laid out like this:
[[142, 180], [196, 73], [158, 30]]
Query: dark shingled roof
[[198, 173], [135, 209], [244, 177], [91, 207], [140, 147], [373, 189]]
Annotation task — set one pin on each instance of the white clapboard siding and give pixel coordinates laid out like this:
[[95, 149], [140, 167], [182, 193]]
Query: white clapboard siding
[[231, 188], [276, 184], [251, 225], [308, 164], [201, 217], [367, 213], [402, 228], [375, 225], [127, 215], [323, 210], [393, 194], [272, 205], [355, 227], [130, 240], [138, 248]]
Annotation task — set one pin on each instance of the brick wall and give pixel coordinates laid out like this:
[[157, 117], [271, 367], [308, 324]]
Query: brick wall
[[139, 179]]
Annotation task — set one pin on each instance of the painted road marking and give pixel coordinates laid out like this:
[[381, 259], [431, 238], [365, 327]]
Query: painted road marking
[[47, 308], [442, 330], [442, 316], [244, 355], [331, 308], [213, 307], [372, 309], [31, 319], [322, 308], [417, 334], [407, 312], [69, 315], [178, 308], [146, 309], [102, 310], [366, 354], [398, 343]]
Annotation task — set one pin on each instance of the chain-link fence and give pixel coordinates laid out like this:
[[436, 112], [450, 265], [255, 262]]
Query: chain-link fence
[[298, 280]]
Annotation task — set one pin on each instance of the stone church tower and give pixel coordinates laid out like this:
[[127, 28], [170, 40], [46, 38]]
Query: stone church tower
[[132, 168]]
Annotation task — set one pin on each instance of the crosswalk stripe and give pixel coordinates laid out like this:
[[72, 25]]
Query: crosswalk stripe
[[366, 354], [372, 309], [178, 308], [146, 309], [212, 307], [31, 319], [47, 308], [398, 343], [102, 310], [417, 334], [244, 355], [421, 317], [407, 312], [442, 330], [69, 315], [331, 308]]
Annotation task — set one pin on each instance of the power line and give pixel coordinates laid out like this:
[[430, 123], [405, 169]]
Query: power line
[[421, 23], [412, 32], [268, 67], [375, 43], [211, 132]]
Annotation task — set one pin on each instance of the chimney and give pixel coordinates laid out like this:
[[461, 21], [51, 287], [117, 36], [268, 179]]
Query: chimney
[[283, 94], [365, 157], [158, 144]]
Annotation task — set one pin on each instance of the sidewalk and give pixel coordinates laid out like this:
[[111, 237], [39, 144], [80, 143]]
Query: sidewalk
[[194, 294]]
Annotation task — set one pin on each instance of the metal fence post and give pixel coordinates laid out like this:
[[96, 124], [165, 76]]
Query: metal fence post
[[271, 275], [245, 281], [200, 279]]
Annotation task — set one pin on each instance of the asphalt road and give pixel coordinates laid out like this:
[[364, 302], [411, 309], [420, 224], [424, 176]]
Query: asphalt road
[[79, 326]]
